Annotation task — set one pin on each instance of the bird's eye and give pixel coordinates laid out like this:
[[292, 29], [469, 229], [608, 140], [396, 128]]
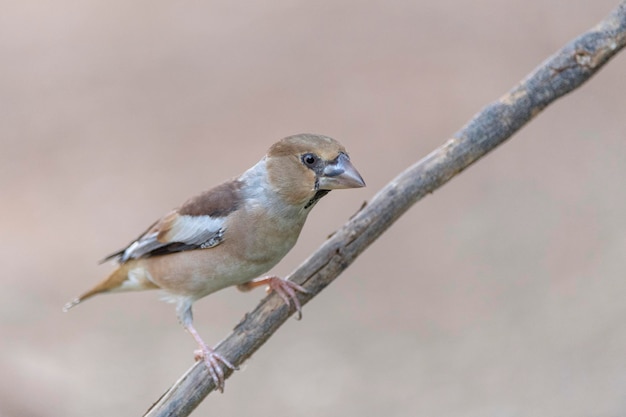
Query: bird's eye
[[309, 159]]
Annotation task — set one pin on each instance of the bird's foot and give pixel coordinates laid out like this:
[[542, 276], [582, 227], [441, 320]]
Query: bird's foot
[[212, 360], [287, 290], [210, 357]]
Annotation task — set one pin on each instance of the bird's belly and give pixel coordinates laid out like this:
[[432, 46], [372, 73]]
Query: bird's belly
[[260, 243], [204, 271]]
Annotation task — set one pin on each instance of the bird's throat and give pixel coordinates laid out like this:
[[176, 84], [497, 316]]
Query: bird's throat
[[319, 194]]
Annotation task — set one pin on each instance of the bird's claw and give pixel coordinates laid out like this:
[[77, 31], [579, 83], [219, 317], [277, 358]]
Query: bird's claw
[[212, 360], [287, 290]]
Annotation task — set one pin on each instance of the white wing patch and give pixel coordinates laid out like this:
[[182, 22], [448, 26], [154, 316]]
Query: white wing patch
[[184, 232]]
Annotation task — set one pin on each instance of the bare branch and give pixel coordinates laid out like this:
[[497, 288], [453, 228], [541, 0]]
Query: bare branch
[[561, 73]]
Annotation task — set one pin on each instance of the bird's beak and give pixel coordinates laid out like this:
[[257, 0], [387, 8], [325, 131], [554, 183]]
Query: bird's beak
[[340, 174]]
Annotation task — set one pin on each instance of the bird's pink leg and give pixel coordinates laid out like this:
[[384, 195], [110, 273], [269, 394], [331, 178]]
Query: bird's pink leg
[[211, 358], [284, 288]]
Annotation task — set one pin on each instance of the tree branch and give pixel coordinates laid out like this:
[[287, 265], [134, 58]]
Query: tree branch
[[566, 70]]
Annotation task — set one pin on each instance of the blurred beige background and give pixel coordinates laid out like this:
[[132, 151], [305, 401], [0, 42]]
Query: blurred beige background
[[502, 294]]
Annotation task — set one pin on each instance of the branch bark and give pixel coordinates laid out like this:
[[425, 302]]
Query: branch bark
[[563, 72]]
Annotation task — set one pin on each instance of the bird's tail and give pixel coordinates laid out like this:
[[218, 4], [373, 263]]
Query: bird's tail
[[124, 278]]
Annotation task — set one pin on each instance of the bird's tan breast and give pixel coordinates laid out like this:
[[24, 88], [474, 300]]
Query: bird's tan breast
[[253, 243]]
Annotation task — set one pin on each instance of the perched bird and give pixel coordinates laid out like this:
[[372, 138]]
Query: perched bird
[[233, 233]]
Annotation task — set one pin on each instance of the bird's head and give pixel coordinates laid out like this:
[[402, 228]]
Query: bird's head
[[305, 167]]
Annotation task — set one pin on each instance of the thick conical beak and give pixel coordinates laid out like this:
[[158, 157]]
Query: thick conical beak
[[340, 174]]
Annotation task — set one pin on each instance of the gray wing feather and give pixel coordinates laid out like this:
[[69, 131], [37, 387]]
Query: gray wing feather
[[184, 233]]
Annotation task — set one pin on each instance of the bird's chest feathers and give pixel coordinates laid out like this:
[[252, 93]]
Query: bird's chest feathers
[[267, 236]]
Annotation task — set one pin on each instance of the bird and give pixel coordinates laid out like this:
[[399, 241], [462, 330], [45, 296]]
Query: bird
[[232, 234]]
